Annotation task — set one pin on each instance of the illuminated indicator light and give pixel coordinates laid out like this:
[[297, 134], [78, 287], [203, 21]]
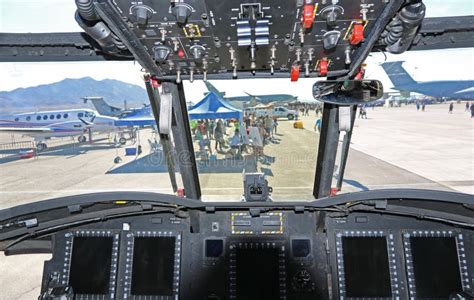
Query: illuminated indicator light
[[180, 53], [121, 202], [295, 73]]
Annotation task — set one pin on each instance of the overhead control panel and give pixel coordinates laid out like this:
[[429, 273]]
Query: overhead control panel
[[299, 38]]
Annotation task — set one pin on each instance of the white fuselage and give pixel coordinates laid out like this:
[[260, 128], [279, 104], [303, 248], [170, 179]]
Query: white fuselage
[[58, 123]]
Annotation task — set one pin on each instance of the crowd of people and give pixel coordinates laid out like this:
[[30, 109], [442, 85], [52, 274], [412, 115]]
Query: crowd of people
[[226, 137]]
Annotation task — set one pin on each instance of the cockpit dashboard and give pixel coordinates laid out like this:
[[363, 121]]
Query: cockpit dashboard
[[377, 248]]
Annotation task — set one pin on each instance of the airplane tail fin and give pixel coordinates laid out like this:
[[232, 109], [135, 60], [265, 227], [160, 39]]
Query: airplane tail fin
[[102, 106], [213, 89], [397, 74]]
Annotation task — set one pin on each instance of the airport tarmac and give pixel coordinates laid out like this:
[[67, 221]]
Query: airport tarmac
[[393, 148], [433, 144], [74, 169]]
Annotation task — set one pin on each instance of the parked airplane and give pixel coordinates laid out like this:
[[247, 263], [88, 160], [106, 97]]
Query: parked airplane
[[107, 109], [43, 125], [252, 99], [142, 116], [402, 81]]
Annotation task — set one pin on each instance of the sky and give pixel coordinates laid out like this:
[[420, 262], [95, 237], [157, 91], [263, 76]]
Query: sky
[[31, 16]]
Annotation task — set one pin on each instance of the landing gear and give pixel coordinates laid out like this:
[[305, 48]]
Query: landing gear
[[41, 146], [122, 140], [82, 139]]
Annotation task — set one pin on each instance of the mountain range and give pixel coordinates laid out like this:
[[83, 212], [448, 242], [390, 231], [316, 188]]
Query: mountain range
[[68, 93]]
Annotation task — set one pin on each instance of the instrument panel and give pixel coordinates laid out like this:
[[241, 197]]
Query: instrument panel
[[299, 38], [276, 255]]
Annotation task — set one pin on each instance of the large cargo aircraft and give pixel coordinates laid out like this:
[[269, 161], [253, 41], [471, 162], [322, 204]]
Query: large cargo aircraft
[[453, 89]]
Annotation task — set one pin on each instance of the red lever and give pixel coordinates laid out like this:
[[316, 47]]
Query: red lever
[[295, 73], [308, 16], [323, 67], [360, 75], [357, 34], [154, 83], [180, 193]]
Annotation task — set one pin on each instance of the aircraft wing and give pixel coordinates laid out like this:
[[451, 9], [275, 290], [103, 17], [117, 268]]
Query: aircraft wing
[[137, 121], [253, 97], [25, 129]]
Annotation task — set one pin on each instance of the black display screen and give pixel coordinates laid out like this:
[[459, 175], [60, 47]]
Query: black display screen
[[436, 266], [257, 274], [214, 248], [153, 266], [366, 268], [300, 248], [90, 265]]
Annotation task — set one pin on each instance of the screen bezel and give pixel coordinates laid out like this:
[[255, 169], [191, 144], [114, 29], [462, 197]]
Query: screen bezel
[[391, 259], [461, 252], [235, 246], [130, 240], [65, 276]]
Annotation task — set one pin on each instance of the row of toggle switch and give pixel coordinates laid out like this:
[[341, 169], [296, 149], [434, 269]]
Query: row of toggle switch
[[254, 33]]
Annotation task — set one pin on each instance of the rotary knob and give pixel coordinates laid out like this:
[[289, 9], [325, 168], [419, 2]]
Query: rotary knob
[[331, 13], [302, 281], [141, 14], [197, 51], [181, 12]]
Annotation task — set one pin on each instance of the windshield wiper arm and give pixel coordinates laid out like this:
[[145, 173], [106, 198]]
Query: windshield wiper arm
[[164, 139]]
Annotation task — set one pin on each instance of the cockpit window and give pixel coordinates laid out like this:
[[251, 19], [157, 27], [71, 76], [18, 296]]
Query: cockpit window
[[273, 127], [271, 133], [37, 13], [130, 156]]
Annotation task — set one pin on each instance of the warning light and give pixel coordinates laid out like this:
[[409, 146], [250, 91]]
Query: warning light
[[180, 53]]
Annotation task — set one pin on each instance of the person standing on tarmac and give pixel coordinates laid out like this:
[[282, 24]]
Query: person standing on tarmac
[[317, 125], [472, 110], [467, 106], [219, 134], [451, 107], [275, 126]]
